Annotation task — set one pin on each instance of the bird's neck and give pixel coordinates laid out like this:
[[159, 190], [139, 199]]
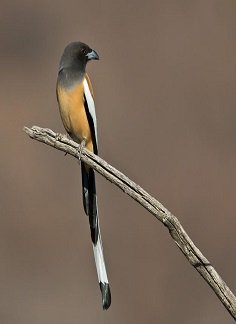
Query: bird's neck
[[69, 76]]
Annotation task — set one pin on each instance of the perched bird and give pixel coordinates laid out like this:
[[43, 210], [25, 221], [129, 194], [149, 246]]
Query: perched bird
[[77, 109]]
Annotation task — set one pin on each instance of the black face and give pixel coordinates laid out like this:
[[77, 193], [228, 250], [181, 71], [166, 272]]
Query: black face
[[81, 52]]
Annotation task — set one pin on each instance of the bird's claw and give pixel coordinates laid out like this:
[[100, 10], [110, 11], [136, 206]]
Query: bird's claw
[[82, 145], [58, 137]]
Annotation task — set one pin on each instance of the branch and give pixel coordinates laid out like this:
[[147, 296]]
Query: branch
[[177, 232]]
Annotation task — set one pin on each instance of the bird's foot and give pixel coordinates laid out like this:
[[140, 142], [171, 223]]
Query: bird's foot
[[58, 137], [82, 146]]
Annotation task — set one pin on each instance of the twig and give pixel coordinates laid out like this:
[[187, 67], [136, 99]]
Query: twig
[[191, 252]]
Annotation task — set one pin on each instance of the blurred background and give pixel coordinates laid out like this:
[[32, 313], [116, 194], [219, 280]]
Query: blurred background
[[165, 100]]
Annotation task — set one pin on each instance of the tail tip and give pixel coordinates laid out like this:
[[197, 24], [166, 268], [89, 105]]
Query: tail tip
[[106, 295]]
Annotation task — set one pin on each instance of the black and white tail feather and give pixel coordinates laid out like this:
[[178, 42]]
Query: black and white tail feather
[[90, 202]]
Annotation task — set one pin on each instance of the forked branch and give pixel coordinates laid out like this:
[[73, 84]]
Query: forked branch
[[177, 232]]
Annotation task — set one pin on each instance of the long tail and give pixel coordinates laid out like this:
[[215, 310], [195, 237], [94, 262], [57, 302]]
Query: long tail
[[90, 207]]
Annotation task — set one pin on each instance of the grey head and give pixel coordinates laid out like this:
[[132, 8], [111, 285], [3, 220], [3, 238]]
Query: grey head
[[75, 58]]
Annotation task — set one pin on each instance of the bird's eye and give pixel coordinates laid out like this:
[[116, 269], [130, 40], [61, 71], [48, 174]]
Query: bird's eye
[[83, 51]]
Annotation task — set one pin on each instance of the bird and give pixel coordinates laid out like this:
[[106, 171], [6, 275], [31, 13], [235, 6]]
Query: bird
[[75, 99]]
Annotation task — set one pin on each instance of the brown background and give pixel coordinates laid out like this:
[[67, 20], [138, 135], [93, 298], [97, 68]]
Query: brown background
[[165, 98]]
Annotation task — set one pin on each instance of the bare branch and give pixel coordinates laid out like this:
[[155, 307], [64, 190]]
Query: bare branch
[[191, 252]]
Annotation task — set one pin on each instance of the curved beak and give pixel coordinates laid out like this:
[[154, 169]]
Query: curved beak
[[93, 55]]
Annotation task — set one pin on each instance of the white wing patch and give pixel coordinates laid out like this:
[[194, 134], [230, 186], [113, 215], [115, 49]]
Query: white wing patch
[[91, 106]]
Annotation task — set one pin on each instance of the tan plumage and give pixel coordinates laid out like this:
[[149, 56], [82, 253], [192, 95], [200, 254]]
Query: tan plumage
[[73, 114]]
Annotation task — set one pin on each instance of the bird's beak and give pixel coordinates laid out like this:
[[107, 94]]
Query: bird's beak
[[93, 55]]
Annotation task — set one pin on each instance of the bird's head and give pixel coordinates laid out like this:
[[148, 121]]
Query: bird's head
[[77, 54]]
